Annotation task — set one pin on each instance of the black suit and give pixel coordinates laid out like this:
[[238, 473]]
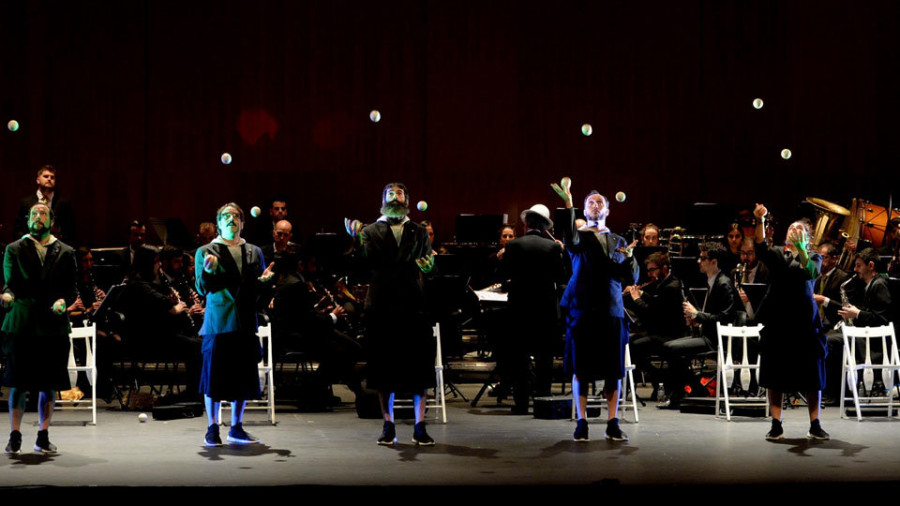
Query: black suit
[[596, 329], [534, 266], [39, 337], [876, 308], [835, 338], [400, 348], [832, 290], [719, 305], [661, 318]]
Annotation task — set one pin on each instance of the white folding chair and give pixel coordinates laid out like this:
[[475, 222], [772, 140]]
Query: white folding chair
[[726, 367], [266, 368], [438, 402], [628, 385], [890, 363], [88, 335]]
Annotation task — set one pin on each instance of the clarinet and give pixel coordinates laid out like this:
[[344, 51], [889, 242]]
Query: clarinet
[[696, 329]]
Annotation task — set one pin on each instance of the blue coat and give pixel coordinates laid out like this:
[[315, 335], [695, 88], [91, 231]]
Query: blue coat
[[230, 294]]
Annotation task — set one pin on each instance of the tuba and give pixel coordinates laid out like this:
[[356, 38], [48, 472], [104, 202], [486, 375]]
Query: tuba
[[828, 216]]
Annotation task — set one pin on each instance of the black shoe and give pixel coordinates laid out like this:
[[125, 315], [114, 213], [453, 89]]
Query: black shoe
[[15, 443], [238, 435], [43, 443], [776, 433], [212, 436], [420, 436], [388, 435], [817, 432], [581, 430], [613, 432]]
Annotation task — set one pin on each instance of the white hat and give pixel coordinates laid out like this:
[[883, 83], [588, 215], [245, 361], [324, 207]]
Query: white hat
[[539, 209]]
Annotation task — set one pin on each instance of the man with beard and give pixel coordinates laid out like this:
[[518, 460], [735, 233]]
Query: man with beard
[[597, 332], [40, 276], [229, 273], [63, 217], [400, 348]]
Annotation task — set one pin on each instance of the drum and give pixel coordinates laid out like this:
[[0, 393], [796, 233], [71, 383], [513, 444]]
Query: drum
[[871, 221]]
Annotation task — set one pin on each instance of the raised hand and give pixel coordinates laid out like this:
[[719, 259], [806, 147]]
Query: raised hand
[[353, 227], [760, 211], [564, 190]]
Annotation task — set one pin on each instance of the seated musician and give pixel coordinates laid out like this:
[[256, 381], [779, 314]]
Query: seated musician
[[305, 318], [750, 270], [86, 304], [733, 239], [827, 294], [89, 295], [280, 245], [436, 250], [876, 300], [488, 271], [719, 305], [175, 275], [650, 235], [659, 315], [155, 326]]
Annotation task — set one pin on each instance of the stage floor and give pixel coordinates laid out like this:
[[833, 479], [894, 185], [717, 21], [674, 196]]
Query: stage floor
[[483, 446]]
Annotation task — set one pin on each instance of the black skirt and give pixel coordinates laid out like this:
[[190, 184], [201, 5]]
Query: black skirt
[[595, 345], [230, 366], [37, 363], [400, 351]]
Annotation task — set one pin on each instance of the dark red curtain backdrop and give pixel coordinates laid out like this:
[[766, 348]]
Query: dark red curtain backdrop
[[481, 105]]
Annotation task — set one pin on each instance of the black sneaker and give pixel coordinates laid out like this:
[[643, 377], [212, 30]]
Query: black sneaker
[[613, 432], [15, 443], [238, 435], [212, 436], [388, 435], [817, 432], [420, 436], [776, 433], [43, 443], [581, 430]]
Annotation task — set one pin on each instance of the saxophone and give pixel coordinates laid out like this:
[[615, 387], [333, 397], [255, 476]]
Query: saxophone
[[845, 301]]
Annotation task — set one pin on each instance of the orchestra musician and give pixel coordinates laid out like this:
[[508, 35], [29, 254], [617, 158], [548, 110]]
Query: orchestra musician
[[657, 306], [719, 305]]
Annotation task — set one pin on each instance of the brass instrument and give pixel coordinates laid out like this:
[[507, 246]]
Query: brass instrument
[[845, 301], [828, 214]]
